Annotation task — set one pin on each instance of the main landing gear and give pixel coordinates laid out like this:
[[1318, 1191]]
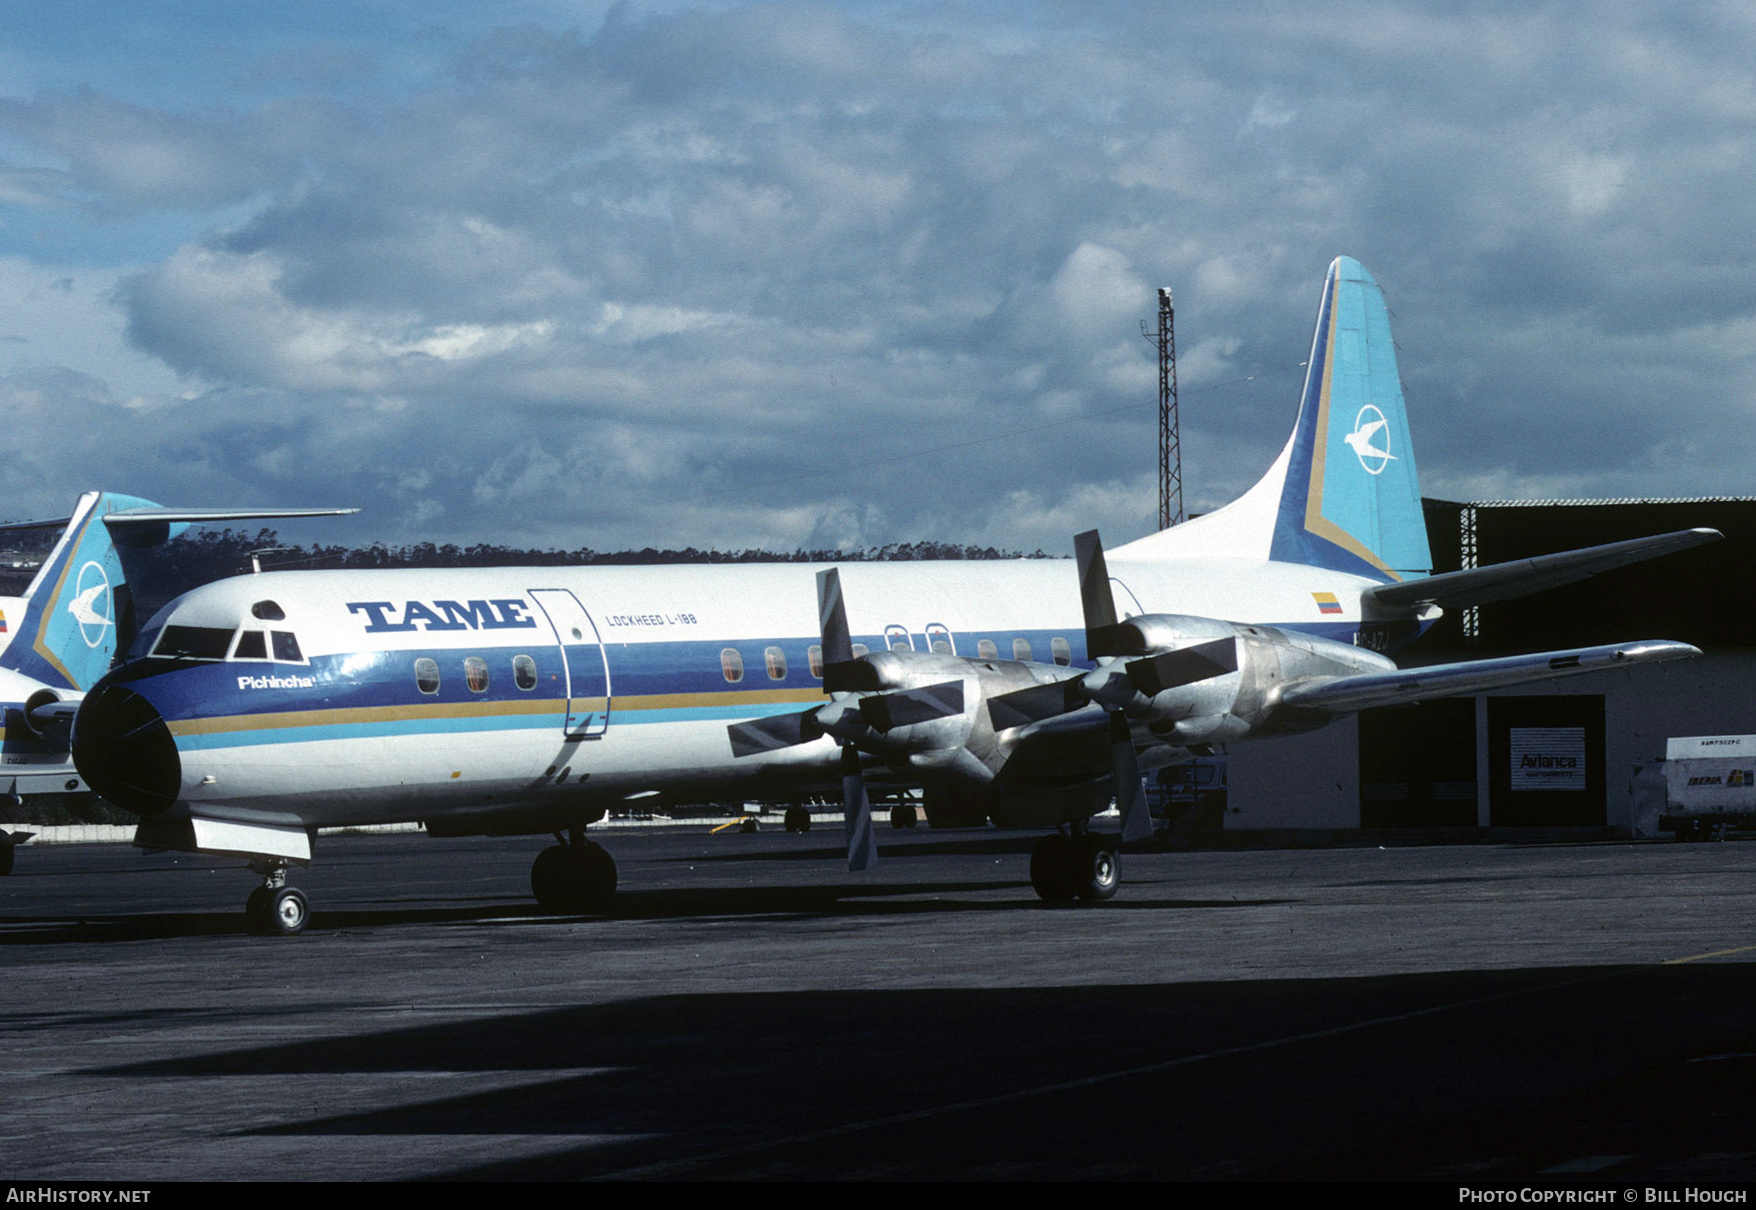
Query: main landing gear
[[1084, 865], [573, 875], [275, 909]]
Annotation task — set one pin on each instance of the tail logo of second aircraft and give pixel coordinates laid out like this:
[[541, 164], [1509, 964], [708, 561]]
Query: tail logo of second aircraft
[[91, 591], [1368, 425]]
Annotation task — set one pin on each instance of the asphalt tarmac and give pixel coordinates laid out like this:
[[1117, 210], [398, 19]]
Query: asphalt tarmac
[[1478, 1015]]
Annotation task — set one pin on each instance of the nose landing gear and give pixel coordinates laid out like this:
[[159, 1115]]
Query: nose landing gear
[[275, 909]]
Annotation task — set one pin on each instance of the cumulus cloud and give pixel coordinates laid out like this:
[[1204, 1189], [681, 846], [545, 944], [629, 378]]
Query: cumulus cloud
[[741, 274]]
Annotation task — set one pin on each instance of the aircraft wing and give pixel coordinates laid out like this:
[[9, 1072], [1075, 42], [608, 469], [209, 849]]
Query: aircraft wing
[[1052, 749], [1503, 581], [1345, 694]]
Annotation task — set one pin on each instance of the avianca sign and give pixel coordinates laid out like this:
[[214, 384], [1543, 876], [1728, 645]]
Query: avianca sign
[[385, 616]]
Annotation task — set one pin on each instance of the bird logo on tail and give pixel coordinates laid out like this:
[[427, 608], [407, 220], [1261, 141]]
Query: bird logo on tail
[[1367, 425]]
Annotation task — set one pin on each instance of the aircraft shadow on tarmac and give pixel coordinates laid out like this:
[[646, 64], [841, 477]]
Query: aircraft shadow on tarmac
[[631, 904], [1488, 1075]]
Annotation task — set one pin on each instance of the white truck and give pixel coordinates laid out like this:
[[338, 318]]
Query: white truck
[[1710, 784]]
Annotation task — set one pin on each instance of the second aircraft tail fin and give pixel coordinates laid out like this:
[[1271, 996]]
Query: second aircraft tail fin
[[1343, 494], [78, 610]]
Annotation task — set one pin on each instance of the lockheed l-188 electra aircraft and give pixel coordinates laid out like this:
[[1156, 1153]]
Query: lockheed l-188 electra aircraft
[[255, 710], [62, 634]]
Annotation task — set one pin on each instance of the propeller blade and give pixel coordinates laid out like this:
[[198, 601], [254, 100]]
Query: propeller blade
[[772, 733], [906, 707], [832, 619], [857, 811], [1130, 792], [1185, 666], [1102, 635], [1022, 707]]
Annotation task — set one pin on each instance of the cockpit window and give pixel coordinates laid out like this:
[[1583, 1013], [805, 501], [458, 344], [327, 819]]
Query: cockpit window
[[252, 645], [193, 643], [286, 647], [268, 611], [143, 642]]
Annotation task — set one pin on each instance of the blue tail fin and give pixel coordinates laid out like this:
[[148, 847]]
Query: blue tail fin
[[73, 608], [1352, 500], [1343, 494]]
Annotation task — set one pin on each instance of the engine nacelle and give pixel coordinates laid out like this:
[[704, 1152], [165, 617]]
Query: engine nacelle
[[48, 714], [962, 746], [1241, 701]]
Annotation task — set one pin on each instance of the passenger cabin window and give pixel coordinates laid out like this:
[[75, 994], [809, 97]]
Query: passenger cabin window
[[814, 659], [1021, 649], [426, 675], [987, 649], [939, 639], [861, 649], [286, 647], [776, 661], [897, 639], [193, 643], [732, 664], [475, 674], [1061, 651], [252, 645], [524, 672]]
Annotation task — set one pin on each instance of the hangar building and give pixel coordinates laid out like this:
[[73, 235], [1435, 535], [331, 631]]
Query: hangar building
[[1489, 761]]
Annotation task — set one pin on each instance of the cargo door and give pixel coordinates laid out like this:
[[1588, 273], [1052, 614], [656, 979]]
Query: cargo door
[[588, 674]]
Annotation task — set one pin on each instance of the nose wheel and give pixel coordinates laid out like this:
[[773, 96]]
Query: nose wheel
[[573, 877], [275, 909]]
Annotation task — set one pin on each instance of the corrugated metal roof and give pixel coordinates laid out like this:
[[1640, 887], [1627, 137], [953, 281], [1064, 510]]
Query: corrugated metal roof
[[1577, 503]]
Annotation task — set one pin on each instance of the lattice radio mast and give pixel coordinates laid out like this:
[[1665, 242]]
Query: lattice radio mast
[[1170, 448]]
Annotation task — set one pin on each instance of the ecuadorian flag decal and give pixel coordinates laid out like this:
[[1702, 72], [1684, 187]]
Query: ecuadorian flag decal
[[1326, 602]]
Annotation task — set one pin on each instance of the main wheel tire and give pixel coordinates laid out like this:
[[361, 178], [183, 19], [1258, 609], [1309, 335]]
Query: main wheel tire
[[596, 878], [902, 815], [256, 912], [550, 878], [288, 912], [1098, 868], [1051, 869], [6, 852], [798, 819]]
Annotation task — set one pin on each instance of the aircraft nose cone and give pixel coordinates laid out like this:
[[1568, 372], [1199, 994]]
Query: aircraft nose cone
[[125, 752]]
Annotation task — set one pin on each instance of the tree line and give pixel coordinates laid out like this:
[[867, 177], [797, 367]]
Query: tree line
[[201, 556]]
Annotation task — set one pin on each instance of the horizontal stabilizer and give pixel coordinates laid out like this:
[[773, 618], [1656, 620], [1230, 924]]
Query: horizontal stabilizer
[[1503, 581], [201, 516], [137, 518], [1346, 694]]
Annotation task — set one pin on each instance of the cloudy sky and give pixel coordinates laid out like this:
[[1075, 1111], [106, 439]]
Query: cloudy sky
[[730, 274]]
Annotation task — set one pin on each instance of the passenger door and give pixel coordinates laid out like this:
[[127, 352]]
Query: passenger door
[[588, 673]]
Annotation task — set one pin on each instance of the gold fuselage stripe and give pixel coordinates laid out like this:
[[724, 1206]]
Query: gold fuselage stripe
[[387, 714]]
